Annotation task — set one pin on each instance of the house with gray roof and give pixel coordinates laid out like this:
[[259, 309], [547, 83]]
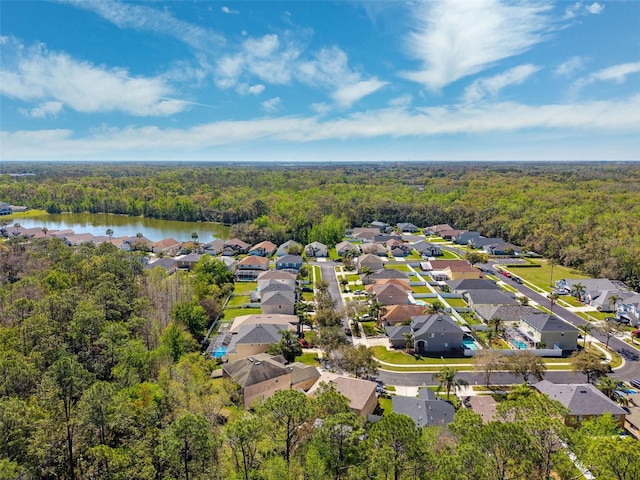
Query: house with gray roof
[[629, 310], [278, 302], [507, 313], [316, 249], [279, 276], [370, 261], [188, 261], [5, 209], [289, 263], [583, 400], [253, 339], [466, 237], [467, 284], [169, 265], [343, 247], [375, 249], [284, 248], [431, 334], [549, 330], [488, 297], [235, 246], [428, 249], [383, 274], [425, 410], [214, 247], [407, 227]]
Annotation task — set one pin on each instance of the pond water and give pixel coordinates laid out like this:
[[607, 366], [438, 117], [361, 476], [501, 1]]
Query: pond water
[[125, 226]]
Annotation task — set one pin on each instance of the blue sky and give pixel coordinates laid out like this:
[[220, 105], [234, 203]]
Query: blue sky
[[319, 81]]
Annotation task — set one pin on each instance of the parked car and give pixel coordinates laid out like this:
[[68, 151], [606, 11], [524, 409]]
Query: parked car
[[517, 279]]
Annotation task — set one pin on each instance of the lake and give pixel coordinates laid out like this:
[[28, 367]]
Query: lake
[[125, 226]]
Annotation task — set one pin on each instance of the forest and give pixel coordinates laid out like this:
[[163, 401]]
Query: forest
[[585, 216], [102, 377]]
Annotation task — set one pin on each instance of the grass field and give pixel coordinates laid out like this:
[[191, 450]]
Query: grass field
[[420, 289], [403, 267], [456, 302], [351, 277], [447, 255], [238, 301], [308, 359], [231, 313], [244, 288], [541, 276], [15, 217]]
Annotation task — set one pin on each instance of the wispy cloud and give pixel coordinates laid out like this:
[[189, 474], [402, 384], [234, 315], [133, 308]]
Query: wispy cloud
[[228, 10], [246, 89], [455, 39], [47, 109], [144, 18], [579, 9], [617, 74], [35, 74], [621, 115], [568, 68], [272, 105], [491, 86], [350, 94]]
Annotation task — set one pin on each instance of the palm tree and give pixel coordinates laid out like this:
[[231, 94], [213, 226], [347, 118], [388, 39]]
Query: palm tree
[[377, 310], [586, 330], [434, 308], [447, 379], [552, 263], [194, 237], [608, 386], [109, 233], [613, 301], [497, 324], [578, 290], [408, 336], [553, 299]]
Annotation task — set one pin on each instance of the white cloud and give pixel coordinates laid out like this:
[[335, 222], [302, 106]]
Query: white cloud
[[272, 105], [246, 89], [47, 109], [395, 122], [568, 68], [617, 74], [346, 96], [141, 17], [401, 101], [580, 9], [228, 11], [455, 39], [36, 74], [491, 86]]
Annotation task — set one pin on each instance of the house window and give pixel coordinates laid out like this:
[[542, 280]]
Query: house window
[[432, 335], [445, 345]]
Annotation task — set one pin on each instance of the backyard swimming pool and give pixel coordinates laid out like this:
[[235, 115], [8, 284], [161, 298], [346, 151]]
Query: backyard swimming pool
[[219, 352], [469, 345], [518, 344]]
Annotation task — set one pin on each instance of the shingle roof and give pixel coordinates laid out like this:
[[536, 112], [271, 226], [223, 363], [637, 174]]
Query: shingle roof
[[277, 298], [490, 297], [358, 391], [260, 334], [424, 412], [424, 324], [472, 284], [256, 369], [509, 313], [543, 322], [580, 399]]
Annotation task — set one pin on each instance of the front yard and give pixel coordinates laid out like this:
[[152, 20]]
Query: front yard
[[540, 276]]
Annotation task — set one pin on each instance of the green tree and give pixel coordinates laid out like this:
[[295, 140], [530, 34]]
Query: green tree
[[497, 324], [613, 301], [177, 341], [109, 233], [589, 364], [359, 361], [408, 338], [474, 257], [526, 364], [446, 379], [608, 329], [288, 346], [192, 316], [393, 444], [243, 436], [188, 445], [488, 361], [64, 383], [553, 299], [578, 290], [287, 410], [586, 330], [336, 440]]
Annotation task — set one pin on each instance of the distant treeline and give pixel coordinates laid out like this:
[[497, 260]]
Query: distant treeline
[[585, 216]]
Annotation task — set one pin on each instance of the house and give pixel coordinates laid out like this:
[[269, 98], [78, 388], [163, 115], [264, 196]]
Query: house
[[425, 410], [401, 313], [384, 273], [452, 269], [231, 263], [253, 339], [263, 249], [427, 249], [466, 237], [389, 294], [343, 247], [370, 261], [360, 393], [583, 400], [280, 276], [278, 302], [482, 242], [262, 375], [467, 284], [78, 239], [214, 247], [138, 242], [283, 249], [375, 249], [507, 313], [169, 265], [549, 330], [289, 322], [485, 406], [188, 261], [474, 298], [250, 267], [407, 228], [449, 234], [502, 249], [381, 226], [365, 233], [167, 245], [629, 310], [316, 249], [436, 229], [397, 248], [5, 209], [431, 334], [290, 263], [235, 246], [597, 292]]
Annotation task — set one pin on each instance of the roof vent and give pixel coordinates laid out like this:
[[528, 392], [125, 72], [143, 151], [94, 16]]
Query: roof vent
[[257, 363], [251, 359]]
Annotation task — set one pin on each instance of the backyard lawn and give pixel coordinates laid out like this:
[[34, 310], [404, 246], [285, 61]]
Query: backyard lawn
[[456, 302], [238, 301], [231, 313], [244, 288], [420, 289], [308, 359], [351, 277], [447, 255], [403, 267], [541, 276]]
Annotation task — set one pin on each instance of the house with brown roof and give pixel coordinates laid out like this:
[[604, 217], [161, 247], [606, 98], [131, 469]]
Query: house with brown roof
[[262, 375], [436, 229], [278, 276], [370, 261], [168, 245], [454, 269], [250, 267], [188, 261], [235, 246], [389, 294], [401, 313], [361, 393], [343, 247], [384, 273], [289, 322], [263, 249], [214, 247], [583, 400], [375, 248]]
